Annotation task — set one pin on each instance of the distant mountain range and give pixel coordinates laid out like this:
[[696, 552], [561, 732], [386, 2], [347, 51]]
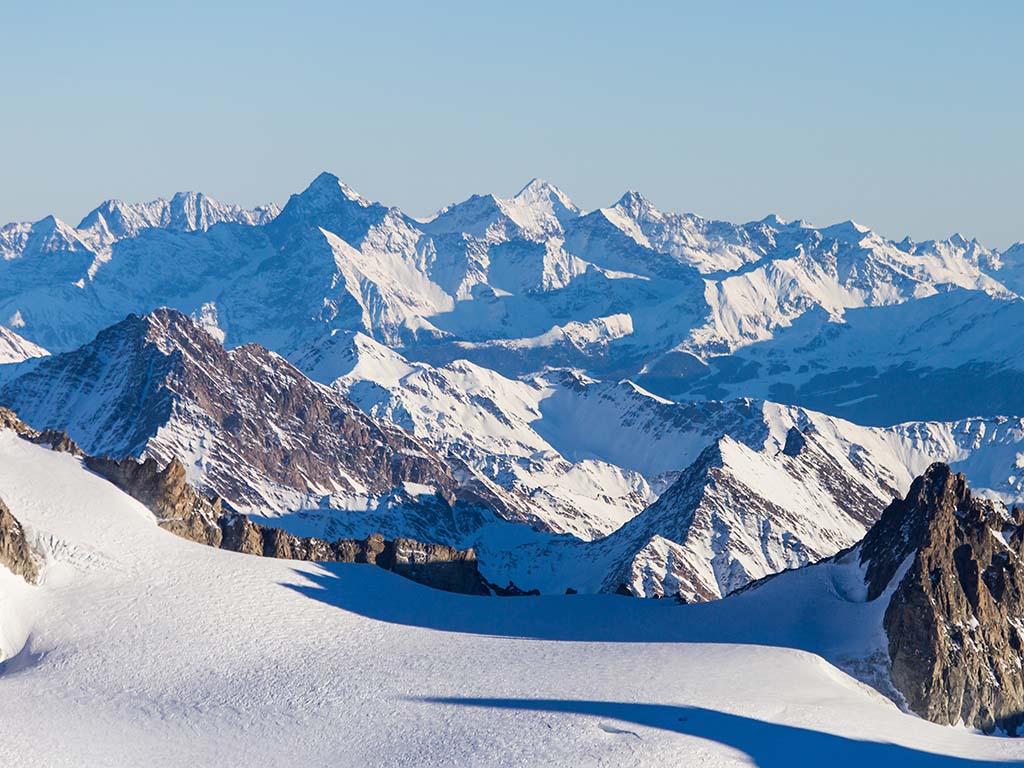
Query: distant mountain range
[[620, 400], [835, 318]]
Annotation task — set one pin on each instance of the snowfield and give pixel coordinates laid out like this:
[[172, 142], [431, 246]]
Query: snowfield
[[139, 648]]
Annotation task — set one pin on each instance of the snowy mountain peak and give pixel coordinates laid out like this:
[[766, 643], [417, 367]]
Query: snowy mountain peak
[[330, 204], [636, 205], [774, 221], [537, 211], [848, 231], [164, 329], [114, 220], [541, 192], [52, 229], [472, 216], [328, 185]]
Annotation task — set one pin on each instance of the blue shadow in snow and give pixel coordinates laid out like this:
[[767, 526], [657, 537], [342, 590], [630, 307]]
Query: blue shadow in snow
[[377, 594], [743, 619], [769, 745]]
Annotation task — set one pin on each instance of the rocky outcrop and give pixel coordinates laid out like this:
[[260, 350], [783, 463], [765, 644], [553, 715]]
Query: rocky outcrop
[[54, 439], [178, 507], [434, 565], [955, 620], [15, 553], [182, 510]]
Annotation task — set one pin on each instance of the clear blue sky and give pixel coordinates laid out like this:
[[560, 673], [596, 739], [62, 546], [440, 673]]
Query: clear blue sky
[[907, 117]]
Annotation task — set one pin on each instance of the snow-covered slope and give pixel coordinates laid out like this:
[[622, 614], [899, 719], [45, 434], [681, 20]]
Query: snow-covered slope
[[941, 357], [14, 349], [142, 648], [486, 422]]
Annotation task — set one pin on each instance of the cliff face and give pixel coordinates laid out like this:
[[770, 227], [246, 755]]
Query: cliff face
[[955, 621], [435, 565], [15, 553]]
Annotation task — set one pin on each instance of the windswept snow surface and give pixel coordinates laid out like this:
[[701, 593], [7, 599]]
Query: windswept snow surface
[[140, 648]]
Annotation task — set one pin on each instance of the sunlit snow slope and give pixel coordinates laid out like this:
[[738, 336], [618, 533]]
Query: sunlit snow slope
[[139, 648]]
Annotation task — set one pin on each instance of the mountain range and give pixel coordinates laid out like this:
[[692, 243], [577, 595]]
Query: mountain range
[[685, 306], [809, 439], [487, 377]]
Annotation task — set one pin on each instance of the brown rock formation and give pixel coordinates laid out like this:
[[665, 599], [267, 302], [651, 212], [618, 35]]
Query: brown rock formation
[[182, 510], [51, 438], [435, 565], [955, 621], [178, 507], [15, 553]]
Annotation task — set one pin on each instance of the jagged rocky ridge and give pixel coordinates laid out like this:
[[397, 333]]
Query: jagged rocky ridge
[[954, 621], [177, 506], [180, 509], [746, 487]]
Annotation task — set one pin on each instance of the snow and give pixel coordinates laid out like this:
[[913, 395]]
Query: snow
[[15, 349], [141, 648], [615, 290], [490, 423]]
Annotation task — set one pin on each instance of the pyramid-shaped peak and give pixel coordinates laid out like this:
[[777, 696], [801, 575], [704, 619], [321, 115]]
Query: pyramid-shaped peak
[[846, 231], [329, 186], [635, 204], [50, 224], [167, 328], [538, 189], [774, 220]]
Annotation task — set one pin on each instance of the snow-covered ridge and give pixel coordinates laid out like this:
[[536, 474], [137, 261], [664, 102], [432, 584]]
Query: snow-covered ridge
[[658, 497], [115, 220], [15, 349]]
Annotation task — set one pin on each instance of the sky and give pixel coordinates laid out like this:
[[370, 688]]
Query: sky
[[903, 116]]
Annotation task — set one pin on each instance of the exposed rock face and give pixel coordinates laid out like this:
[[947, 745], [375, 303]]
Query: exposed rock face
[[178, 507], [159, 385], [52, 438], [955, 622], [15, 553], [434, 565]]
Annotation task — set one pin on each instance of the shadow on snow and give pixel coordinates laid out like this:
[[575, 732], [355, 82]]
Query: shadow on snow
[[769, 745]]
